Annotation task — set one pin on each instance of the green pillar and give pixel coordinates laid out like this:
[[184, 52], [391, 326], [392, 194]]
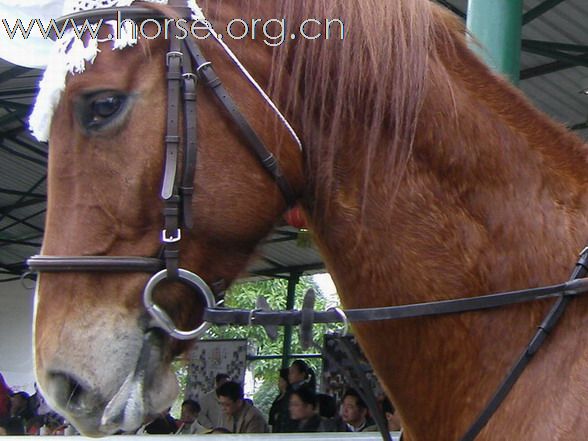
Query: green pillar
[[497, 26], [287, 347]]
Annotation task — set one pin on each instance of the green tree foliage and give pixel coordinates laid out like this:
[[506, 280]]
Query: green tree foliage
[[244, 296]]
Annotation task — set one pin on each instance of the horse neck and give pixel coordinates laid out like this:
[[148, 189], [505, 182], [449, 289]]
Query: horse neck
[[493, 198]]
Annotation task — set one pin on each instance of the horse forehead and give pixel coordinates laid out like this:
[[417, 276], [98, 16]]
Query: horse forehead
[[71, 56]]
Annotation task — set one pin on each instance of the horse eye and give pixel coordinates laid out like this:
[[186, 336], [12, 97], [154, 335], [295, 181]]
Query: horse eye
[[106, 107], [101, 111]]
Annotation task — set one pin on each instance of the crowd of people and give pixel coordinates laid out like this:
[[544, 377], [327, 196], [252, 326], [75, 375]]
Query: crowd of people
[[297, 408], [24, 414]]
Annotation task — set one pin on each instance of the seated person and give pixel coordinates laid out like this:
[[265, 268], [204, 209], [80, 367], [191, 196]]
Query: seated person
[[11, 426], [327, 409], [189, 414], [303, 410], [162, 425], [391, 415], [239, 415], [211, 414], [355, 412]]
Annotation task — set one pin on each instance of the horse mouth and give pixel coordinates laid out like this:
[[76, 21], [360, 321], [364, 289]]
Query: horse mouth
[[130, 406], [137, 400]]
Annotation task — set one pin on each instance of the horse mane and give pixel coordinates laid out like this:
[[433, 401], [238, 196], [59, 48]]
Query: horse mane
[[378, 79], [356, 82], [374, 85]]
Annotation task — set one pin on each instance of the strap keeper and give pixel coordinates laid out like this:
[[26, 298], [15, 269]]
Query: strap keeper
[[270, 162], [176, 236], [173, 75], [172, 139], [171, 211], [186, 191]]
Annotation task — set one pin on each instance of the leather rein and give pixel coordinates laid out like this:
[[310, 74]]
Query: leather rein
[[186, 68]]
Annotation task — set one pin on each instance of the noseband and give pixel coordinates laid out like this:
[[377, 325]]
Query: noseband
[[186, 67]]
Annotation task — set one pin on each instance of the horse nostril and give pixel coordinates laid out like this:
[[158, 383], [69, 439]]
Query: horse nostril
[[66, 391]]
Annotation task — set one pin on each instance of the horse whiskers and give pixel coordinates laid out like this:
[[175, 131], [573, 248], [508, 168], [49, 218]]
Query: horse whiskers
[[128, 408]]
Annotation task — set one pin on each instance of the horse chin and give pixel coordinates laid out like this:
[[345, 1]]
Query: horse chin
[[149, 389], [140, 395]]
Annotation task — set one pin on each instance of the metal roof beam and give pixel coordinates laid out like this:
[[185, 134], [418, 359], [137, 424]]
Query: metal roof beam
[[539, 10], [274, 263], [7, 209], [30, 91], [550, 45], [22, 202], [23, 156], [22, 193], [25, 242], [452, 8], [580, 126], [292, 269], [23, 221], [576, 60], [13, 116], [24, 144], [12, 73], [545, 69], [13, 267], [14, 106]]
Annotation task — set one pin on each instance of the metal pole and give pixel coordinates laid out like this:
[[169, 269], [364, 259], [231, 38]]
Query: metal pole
[[497, 25], [287, 347]]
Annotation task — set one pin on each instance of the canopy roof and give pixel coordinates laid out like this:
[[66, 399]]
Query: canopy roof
[[553, 71]]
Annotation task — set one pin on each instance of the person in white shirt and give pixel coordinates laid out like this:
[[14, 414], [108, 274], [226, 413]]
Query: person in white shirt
[[211, 415]]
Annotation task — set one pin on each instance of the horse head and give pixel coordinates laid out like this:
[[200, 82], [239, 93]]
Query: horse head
[[100, 358]]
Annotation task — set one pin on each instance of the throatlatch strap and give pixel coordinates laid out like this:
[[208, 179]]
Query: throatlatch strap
[[208, 76], [191, 136]]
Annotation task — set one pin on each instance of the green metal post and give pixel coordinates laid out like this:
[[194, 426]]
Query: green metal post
[[497, 26], [287, 347]]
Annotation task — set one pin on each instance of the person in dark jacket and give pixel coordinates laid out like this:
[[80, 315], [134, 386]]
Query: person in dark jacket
[[303, 410], [279, 415], [11, 426], [5, 393]]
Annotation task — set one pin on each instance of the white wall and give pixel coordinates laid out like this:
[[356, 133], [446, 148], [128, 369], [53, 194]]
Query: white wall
[[16, 319]]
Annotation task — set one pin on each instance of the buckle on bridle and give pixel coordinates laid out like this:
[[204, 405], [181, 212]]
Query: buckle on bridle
[[176, 237], [173, 54]]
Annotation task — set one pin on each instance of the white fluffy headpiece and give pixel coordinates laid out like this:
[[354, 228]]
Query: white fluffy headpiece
[[70, 54]]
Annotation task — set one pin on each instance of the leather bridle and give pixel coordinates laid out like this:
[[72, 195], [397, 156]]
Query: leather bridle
[[186, 67]]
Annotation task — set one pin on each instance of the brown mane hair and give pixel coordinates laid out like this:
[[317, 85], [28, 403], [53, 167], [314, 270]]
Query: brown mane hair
[[357, 81], [379, 79]]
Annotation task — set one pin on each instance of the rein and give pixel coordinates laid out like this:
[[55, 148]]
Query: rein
[[186, 68]]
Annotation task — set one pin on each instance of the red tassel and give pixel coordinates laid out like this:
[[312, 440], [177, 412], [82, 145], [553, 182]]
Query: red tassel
[[295, 217]]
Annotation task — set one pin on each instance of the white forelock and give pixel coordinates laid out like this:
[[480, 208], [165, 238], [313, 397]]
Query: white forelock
[[70, 55]]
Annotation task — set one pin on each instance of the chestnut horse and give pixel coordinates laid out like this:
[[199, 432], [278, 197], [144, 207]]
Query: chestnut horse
[[424, 176]]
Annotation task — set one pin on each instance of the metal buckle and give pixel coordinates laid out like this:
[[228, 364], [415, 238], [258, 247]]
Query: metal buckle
[[189, 76], [162, 319], [345, 320], [173, 54], [173, 238], [202, 66], [251, 318]]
